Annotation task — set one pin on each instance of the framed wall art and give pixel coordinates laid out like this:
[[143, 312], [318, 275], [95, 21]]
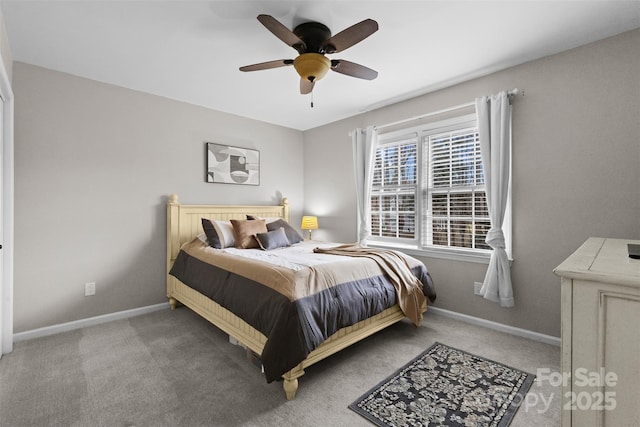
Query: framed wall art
[[232, 165]]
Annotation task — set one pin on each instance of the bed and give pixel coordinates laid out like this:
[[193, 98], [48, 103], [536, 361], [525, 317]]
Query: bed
[[186, 247]]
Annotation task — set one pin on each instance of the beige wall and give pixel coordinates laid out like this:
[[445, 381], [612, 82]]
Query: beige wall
[[576, 171], [94, 164]]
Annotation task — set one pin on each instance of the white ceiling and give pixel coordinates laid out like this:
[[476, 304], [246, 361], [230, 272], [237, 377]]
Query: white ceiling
[[191, 50]]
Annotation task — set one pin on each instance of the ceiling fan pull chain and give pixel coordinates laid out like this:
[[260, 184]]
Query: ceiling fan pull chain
[[311, 99]]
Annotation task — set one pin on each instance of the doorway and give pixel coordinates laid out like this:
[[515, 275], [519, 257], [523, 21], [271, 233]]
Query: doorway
[[6, 212]]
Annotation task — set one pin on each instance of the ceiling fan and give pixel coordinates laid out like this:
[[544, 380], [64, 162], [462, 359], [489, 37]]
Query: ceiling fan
[[312, 40]]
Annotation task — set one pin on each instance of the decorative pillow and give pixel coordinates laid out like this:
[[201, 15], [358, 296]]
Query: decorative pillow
[[292, 235], [267, 219], [244, 232], [219, 233], [211, 233], [225, 232], [272, 239]]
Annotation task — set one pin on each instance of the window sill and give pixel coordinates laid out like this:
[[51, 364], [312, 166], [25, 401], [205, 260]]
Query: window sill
[[476, 256]]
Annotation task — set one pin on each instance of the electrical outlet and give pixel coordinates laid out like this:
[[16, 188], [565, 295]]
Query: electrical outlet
[[476, 287], [89, 289]]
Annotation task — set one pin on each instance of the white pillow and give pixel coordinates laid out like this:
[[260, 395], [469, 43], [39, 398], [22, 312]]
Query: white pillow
[[225, 233]]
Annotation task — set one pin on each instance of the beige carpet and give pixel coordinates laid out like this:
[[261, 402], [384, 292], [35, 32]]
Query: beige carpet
[[174, 369]]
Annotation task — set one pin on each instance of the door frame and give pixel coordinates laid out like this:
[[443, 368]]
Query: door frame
[[6, 253]]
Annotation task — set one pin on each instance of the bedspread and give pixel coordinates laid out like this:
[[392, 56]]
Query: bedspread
[[395, 266], [296, 304]]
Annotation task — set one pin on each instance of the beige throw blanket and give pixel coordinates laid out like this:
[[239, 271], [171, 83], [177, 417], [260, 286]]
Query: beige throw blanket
[[408, 288]]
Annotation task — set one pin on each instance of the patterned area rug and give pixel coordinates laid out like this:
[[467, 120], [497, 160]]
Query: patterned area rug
[[445, 386]]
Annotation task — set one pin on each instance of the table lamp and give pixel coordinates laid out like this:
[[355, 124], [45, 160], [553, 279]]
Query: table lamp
[[309, 223]]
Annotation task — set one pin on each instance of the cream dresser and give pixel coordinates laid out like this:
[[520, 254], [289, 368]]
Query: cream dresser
[[600, 293]]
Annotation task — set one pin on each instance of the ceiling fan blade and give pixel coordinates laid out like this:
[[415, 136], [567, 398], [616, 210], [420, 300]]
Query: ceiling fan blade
[[267, 65], [350, 36], [282, 32], [306, 86], [352, 69]]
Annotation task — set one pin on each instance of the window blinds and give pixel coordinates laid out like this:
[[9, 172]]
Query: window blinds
[[455, 202]]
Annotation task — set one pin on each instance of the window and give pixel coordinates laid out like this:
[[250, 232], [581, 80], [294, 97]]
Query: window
[[393, 201], [428, 189], [455, 202]]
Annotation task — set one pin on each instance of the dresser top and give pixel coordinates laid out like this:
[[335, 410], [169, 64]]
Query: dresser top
[[603, 260]]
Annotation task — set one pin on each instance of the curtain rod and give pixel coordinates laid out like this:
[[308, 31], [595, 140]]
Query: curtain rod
[[510, 93]]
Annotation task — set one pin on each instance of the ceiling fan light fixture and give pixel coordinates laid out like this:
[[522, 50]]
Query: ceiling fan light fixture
[[312, 66]]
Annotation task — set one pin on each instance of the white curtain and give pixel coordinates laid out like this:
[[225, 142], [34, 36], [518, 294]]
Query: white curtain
[[494, 128], [363, 141]]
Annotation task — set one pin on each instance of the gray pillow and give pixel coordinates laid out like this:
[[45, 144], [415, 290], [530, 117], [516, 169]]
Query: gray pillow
[[212, 234], [273, 239], [292, 235]]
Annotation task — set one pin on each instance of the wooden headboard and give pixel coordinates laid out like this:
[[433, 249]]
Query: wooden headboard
[[184, 221]]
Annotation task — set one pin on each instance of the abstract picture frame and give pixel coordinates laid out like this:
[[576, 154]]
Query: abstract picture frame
[[227, 164]]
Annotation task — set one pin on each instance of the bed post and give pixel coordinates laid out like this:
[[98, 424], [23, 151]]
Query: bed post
[[173, 224], [290, 381], [285, 208]]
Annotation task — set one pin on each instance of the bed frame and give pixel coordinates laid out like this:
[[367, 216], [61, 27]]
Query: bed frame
[[184, 223]]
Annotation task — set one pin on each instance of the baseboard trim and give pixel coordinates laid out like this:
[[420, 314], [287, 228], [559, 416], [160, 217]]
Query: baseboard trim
[[91, 321], [525, 333]]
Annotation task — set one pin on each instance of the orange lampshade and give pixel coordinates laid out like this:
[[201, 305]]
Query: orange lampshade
[[312, 66], [309, 223]]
